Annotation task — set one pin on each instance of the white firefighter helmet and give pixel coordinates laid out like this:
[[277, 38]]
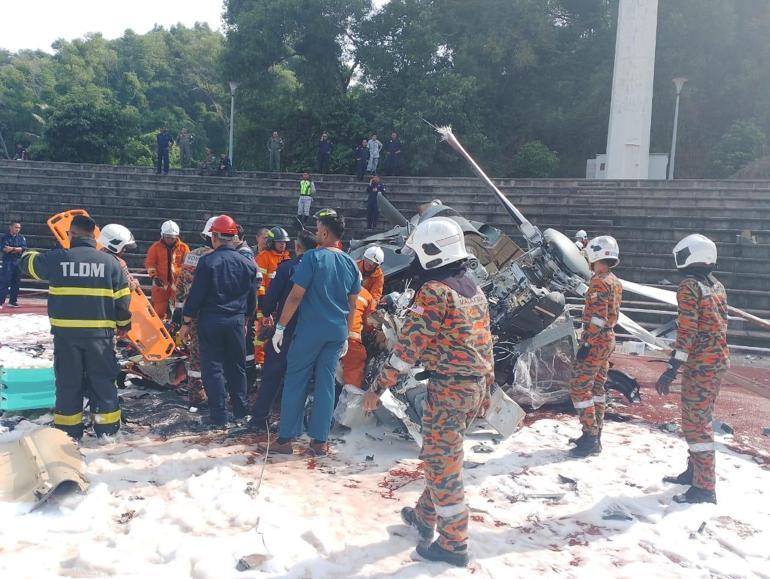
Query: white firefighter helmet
[[116, 237], [695, 249], [169, 228], [375, 255], [437, 242], [581, 235], [601, 248], [207, 228]]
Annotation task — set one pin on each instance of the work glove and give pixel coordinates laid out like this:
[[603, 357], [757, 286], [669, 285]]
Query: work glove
[[663, 386], [157, 282], [344, 349], [278, 338], [583, 352]]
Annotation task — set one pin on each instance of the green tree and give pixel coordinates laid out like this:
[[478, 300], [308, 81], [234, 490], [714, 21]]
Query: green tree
[[739, 146], [534, 159]]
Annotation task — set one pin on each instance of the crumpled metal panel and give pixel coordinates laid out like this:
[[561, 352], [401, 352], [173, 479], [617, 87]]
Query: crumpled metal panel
[[35, 466]]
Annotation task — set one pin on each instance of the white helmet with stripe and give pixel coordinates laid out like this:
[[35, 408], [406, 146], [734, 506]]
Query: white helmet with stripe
[[604, 247], [116, 237], [375, 255], [437, 242]]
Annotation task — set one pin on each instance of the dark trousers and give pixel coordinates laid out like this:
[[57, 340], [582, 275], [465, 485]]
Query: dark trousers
[[360, 168], [162, 161], [372, 215], [392, 164], [222, 343], [273, 372], [10, 276], [85, 367], [323, 163]]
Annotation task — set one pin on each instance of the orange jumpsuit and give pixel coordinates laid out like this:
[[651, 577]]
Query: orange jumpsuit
[[354, 362], [165, 263], [374, 282], [267, 263]]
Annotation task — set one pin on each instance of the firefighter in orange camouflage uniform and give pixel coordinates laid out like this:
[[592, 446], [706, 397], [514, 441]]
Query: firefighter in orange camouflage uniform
[[701, 347], [447, 332], [183, 284], [600, 314]]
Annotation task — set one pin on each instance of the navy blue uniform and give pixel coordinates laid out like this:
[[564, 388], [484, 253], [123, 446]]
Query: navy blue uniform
[[88, 298], [222, 297], [164, 142], [10, 276], [372, 210], [324, 155], [274, 368], [361, 154], [393, 160]]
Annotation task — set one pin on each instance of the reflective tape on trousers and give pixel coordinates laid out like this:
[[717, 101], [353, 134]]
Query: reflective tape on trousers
[[702, 447], [107, 417], [450, 510], [598, 322], [601, 399], [583, 404]]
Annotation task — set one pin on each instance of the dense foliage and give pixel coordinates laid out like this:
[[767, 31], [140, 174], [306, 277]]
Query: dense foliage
[[525, 83]]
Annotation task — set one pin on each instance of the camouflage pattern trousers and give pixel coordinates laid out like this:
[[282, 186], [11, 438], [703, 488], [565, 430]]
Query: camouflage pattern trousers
[[193, 364], [587, 387], [700, 388], [450, 407]]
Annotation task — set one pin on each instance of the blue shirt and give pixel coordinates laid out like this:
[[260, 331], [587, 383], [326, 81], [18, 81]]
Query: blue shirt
[[8, 240], [328, 277], [225, 285]]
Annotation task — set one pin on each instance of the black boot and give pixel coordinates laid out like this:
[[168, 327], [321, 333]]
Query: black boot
[[579, 440], [435, 552], [589, 445], [684, 478], [409, 516], [696, 495]]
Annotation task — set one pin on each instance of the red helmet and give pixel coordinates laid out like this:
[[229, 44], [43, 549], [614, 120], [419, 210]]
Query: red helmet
[[224, 225]]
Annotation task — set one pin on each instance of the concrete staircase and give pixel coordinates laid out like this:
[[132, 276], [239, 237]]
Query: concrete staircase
[[647, 217]]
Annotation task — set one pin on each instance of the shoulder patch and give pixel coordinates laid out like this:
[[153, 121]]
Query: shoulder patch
[[415, 309], [191, 260]]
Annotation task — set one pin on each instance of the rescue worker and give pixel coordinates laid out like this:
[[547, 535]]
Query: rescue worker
[[222, 297], [164, 264], [326, 284], [274, 368], [701, 347], [581, 238], [354, 362], [274, 253], [12, 244], [115, 239], [597, 342], [88, 300], [446, 331], [183, 283], [242, 247], [371, 271]]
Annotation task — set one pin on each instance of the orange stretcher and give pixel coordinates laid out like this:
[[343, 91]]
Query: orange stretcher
[[147, 332]]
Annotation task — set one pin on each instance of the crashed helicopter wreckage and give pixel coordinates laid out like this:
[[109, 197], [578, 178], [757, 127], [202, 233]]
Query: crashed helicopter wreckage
[[535, 339]]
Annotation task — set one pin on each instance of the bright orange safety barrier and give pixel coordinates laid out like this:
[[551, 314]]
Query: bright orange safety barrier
[[147, 332]]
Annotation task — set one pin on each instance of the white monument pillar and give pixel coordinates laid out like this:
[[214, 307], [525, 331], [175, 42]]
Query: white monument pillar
[[628, 137]]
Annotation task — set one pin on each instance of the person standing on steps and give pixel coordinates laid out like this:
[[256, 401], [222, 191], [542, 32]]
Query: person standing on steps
[[88, 302], [306, 192], [597, 342], [701, 347], [361, 155], [165, 142], [393, 159], [446, 331], [12, 244], [326, 286], [184, 140], [325, 148], [223, 296], [375, 147], [274, 148], [372, 208]]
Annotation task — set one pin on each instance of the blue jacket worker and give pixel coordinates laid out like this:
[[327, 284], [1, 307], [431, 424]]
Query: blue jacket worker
[[274, 368], [326, 286], [222, 297], [325, 148], [88, 300], [12, 245]]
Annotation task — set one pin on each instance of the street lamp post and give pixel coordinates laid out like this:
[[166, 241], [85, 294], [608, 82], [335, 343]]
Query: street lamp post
[[233, 86], [678, 83]]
